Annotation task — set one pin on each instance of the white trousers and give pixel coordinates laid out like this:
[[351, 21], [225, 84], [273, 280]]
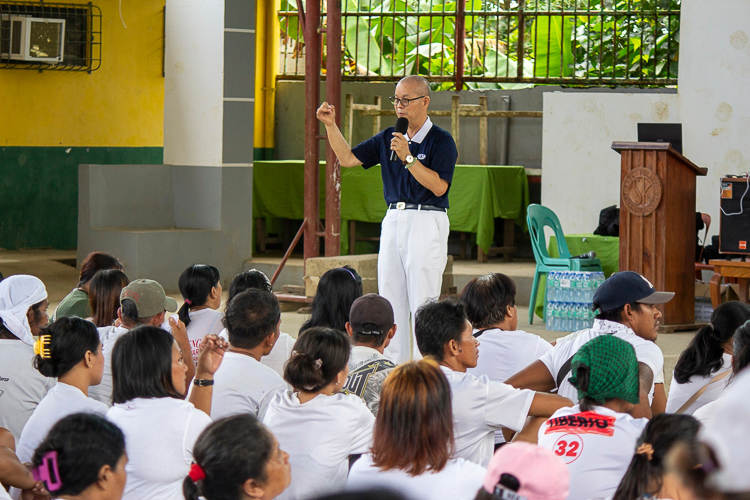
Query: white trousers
[[412, 258]]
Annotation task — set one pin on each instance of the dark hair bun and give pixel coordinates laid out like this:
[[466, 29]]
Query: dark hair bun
[[319, 355]]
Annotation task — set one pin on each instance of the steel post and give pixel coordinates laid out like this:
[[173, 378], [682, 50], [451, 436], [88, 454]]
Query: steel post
[[333, 96], [312, 95]]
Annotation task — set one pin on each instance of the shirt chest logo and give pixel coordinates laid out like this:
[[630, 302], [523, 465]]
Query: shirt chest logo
[[582, 423], [421, 156]]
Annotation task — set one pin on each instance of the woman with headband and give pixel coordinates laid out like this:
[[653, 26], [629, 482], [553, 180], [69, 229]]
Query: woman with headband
[[237, 458], [70, 351], [337, 290], [595, 438], [23, 312], [82, 458], [317, 425]]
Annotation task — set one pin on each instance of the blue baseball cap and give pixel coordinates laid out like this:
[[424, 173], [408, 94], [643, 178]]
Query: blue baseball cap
[[627, 287]]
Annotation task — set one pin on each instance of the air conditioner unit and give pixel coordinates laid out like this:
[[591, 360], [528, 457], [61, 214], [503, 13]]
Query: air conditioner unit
[[37, 39]]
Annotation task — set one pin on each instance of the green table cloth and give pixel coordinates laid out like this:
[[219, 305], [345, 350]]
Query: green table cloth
[[478, 195], [607, 250]]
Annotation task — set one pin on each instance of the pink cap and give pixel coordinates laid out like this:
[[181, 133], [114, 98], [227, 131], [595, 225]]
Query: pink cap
[[541, 474]]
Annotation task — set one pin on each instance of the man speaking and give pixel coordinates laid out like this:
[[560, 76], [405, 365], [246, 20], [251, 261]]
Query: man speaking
[[416, 181]]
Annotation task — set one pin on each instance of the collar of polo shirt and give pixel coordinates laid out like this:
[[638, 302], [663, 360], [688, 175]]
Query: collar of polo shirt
[[419, 136]]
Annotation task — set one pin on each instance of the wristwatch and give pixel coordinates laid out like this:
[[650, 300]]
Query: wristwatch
[[410, 160]]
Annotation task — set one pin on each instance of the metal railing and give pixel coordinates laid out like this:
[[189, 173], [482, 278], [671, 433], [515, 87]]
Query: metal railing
[[499, 43]]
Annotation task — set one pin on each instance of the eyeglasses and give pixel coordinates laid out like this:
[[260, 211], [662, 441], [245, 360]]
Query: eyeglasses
[[403, 102]]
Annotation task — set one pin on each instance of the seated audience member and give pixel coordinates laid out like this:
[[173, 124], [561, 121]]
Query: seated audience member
[[626, 302], [70, 351], [595, 438], [76, 303], [480, 406], [647, 475], [491, 309], [200, 287], [159, 425], [524, 470], [700, 374], [503, 349], [142, 303], [23, 312], [82, 458], [740, 361], [104, 296], [413, 440], [12, 472], [726, 440], [317, 425], [241, 383], [337, 291], [254, 279], [237, 458], [371, 328]]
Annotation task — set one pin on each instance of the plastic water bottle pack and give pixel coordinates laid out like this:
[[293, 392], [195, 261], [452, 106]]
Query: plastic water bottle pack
[[570, 296]]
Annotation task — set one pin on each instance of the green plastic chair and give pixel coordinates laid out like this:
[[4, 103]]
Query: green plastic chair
[[537, 218]]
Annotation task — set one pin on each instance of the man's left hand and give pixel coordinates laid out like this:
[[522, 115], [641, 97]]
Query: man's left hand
[[400, 145]]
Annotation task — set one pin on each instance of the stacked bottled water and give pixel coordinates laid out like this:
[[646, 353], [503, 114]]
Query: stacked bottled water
[[570, 296]]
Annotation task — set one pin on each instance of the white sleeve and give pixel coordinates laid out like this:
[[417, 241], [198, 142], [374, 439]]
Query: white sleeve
[[362, 434], [506, 406], [650, 354], [542, 347], [548, 358], [196, 423]]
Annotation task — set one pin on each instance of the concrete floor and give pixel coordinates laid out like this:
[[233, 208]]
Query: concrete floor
[[55, 269]]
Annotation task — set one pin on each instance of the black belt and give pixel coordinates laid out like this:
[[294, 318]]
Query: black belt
[[414, 206]]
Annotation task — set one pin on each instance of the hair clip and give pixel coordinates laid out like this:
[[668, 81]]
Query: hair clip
[[42, 473], [188, 302], [308, 387], [196, 473], [645, 449], [318, 362], [42, 346]]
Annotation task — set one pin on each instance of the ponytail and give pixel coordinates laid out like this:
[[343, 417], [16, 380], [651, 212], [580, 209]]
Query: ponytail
[[644, 477], [63, 344], [703, 356], [582, 384], [319, 355], [195, 285], [190, 489], [741, 356]]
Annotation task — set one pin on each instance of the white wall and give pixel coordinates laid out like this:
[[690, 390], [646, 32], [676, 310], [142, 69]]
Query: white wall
[[194, 82], [581, 172]]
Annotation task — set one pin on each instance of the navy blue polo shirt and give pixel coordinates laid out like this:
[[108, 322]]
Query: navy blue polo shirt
[[437, 151]]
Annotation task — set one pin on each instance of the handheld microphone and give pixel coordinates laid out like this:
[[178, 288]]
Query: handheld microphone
[[402, 125], [589, 255]]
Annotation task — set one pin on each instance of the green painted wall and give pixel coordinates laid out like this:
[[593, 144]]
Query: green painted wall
[[39, 191]]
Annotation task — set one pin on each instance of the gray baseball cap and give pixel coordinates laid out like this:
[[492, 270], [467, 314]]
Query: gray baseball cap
[[149, 298]]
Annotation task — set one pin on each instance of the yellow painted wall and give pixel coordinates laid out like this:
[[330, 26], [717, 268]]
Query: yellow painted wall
[[119, 105]]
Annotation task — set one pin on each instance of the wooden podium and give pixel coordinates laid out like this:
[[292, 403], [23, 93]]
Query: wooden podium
[[657, 224]]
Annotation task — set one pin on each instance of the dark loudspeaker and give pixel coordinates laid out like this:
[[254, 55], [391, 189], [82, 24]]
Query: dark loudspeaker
[[734, 226]]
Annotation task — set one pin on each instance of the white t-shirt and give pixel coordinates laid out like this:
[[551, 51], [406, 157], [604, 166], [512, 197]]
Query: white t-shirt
[[159, 436], [319, 436], [505, 353], [22, 387], [680, 393], [480, 407], [108, 336], [62, 400], [646, 352], [4, 494], [597, 447], [278, 356], [240, 385], [706, 413], [459, 480], [203, 322]]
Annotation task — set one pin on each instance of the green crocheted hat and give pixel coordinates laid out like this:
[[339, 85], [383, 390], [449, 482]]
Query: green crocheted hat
[[613, 370]]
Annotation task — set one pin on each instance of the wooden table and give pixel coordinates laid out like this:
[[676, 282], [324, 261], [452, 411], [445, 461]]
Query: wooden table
[[729, 269]]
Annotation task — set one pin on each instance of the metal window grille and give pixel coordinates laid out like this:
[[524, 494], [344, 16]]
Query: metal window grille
[[499, 43], [82, 46]]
